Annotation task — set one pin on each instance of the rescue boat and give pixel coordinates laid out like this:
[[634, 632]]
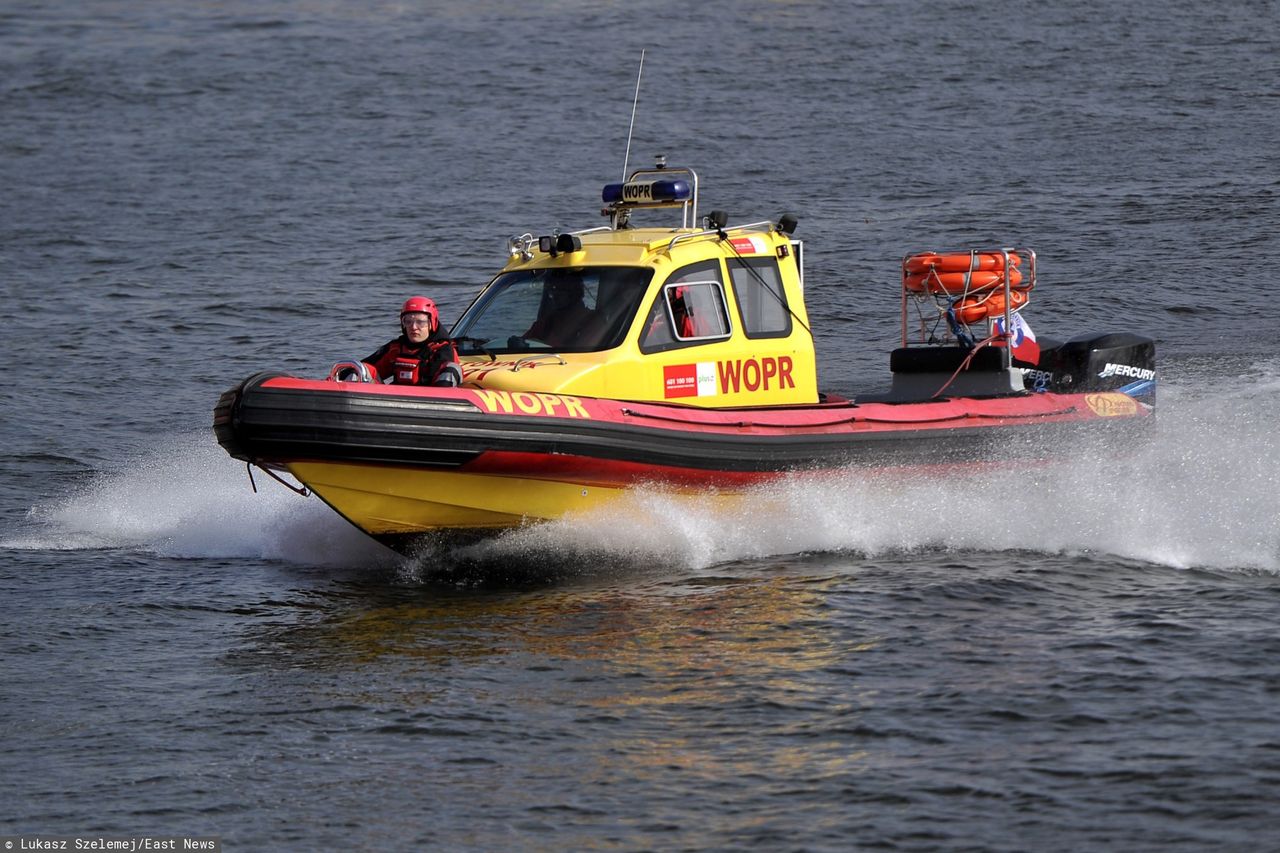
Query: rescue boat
[[679, 356]]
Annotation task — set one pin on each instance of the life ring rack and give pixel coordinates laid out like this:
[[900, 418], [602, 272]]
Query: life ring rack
[[988, 305], [969, 286], [959, 261], [964, 273]]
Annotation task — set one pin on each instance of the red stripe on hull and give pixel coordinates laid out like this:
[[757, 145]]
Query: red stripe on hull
[[607, 472]]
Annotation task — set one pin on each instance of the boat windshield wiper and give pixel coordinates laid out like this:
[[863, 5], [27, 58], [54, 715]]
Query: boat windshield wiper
[[478, 343]]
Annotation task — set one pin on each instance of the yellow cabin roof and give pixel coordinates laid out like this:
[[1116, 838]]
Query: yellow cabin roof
[[712, 317]]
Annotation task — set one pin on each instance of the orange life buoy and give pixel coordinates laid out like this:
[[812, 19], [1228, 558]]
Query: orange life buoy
[[954, 283], [975, 308], [959, 261]]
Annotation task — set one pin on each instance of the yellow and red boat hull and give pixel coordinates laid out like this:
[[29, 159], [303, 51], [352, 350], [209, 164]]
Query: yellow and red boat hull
[[399, 461]]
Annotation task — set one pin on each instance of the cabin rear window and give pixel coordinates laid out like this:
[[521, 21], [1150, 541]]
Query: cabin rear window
[[762, 303]]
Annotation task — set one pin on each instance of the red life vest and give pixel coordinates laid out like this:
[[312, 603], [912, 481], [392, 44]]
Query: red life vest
[[409, 364], [406, 371]]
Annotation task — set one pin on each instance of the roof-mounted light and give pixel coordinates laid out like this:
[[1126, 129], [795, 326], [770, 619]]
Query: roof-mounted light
[[520, 247], [560, 244], [640, 193]]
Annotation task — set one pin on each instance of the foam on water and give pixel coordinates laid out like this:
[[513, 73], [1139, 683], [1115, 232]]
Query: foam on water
[[186, 498], [1204, 494]]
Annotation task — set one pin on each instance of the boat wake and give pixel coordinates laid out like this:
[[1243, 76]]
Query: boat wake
[[1204, 494], [186, 499]]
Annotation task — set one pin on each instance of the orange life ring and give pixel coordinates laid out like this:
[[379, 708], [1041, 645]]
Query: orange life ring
[[959, 262], [975, 308], [954, 283]]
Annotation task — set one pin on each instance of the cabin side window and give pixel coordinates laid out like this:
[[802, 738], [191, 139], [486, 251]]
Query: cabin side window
[[689, 310], [762, 303]]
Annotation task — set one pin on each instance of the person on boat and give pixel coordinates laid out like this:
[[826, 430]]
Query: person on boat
[[564, 319], [422, 355], [659, 331]]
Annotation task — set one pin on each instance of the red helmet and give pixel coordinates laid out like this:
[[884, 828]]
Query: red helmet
[[421, 305]]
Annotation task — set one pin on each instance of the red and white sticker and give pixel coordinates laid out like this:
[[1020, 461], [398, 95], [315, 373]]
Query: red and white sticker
[[689, 380], [748, 245]]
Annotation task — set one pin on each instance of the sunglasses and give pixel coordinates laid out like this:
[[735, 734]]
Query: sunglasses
[[416, 321]]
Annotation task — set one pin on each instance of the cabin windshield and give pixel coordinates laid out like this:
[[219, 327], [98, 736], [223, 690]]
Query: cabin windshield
[[579, 309]]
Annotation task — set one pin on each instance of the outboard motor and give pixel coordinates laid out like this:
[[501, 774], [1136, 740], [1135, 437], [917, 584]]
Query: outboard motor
[[1118, 361]]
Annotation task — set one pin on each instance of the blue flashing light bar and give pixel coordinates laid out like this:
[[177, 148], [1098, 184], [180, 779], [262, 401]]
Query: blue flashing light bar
[[647, 192]]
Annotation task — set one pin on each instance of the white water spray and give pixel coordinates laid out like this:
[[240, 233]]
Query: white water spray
[[1204, 494], [187, 498]]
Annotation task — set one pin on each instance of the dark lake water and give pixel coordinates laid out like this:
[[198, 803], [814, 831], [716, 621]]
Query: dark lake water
[[1080, 657]]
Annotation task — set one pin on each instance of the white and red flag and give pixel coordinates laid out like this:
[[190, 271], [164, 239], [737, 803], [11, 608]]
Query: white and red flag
[[1022, 339]]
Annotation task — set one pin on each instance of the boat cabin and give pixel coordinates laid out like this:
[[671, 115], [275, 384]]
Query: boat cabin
[[699, 312]]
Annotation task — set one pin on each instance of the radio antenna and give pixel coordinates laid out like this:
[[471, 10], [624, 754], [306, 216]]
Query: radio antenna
[[627, 157]]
